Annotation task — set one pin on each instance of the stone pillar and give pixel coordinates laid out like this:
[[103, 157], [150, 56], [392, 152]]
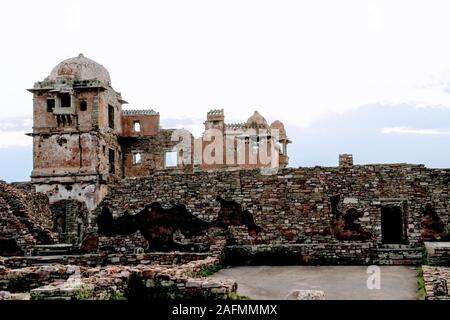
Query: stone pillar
[[345, 160]]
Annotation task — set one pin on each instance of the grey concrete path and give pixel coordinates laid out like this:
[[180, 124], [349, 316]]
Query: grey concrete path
[[338, 282]]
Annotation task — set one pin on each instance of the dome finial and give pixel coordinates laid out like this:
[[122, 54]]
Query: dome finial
[[81, 55]]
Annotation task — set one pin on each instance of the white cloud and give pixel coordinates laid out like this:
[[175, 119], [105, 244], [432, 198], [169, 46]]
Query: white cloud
[[406, 130], [11, 139], [12, 132], [292, 60]]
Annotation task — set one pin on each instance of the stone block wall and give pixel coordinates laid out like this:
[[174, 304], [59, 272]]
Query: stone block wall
[[293, 206], [300, 254], [437, 253], [104, 259]]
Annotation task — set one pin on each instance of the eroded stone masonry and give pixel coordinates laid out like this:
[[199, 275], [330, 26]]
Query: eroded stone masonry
[[116, 209]]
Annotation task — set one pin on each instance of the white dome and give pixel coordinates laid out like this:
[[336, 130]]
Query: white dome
[[80, 68]]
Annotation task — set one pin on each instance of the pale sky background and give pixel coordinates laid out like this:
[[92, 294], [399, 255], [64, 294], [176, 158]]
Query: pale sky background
[[370, 78]]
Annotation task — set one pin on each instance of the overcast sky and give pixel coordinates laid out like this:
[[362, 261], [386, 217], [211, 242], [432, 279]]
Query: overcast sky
[[309, 64]]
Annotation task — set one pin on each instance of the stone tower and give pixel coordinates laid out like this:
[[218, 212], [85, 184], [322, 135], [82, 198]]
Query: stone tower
[[215, 120], [76, 124]]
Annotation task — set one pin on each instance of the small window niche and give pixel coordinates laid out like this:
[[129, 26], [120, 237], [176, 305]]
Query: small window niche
[[137, 158], [111, 116], [66, 101], [112, 160], [137, 127], [50, 105], [171, 159], [83, 105]]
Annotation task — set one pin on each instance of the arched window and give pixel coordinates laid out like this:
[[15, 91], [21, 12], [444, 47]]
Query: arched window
[[83, 105]]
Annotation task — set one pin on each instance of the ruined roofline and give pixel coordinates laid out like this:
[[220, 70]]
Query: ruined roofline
[[216, 112], [235, 125], [48, 85], [143, 112]]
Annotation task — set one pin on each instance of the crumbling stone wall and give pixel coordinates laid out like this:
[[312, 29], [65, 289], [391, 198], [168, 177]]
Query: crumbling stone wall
[[68, 282], [293, 206], [70, 220], [24, 218], [148, 123], [105, 259], [152, 151], [437, 280]]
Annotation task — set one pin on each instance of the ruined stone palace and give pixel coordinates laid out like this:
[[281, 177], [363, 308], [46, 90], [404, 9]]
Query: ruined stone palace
[[84, 141], [113, 191]]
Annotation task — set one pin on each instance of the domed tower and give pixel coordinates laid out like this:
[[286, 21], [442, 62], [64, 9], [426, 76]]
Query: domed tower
[[76, 124], [257, 121], [277, 129]]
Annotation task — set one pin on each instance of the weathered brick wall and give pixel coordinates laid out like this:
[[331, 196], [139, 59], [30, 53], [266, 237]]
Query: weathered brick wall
[[24, 218], [299, 254], [152, 150], [293, 206], [70, 220], [68, 282], [437, 280], [437, 253], [104, 259]]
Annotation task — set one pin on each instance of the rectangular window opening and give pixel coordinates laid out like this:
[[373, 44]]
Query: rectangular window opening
[[111, 116], [50, 105], [170, 159], [83, 105], [112, 160], [137, 158], [65, 100], [137, 126]]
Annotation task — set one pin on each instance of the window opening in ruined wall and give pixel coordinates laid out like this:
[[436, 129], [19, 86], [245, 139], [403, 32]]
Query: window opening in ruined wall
[[137, 158], [112, 159], [111, 116], [137, 126], [65, 100], [50, 105], [170, 159]]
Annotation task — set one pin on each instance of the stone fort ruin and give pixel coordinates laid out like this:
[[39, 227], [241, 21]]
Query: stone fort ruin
[[110, 186]]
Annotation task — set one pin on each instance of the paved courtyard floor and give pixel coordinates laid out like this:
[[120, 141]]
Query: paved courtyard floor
[[338, 282]]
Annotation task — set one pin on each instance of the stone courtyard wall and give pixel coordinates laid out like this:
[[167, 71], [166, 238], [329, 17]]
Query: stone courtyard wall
[[293, 206]]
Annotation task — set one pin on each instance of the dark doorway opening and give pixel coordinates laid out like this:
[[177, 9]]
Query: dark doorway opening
[[79, 231], [50, 105], [392, 226], [83, 105], [111, 116], [65, 100], [112, 160]]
